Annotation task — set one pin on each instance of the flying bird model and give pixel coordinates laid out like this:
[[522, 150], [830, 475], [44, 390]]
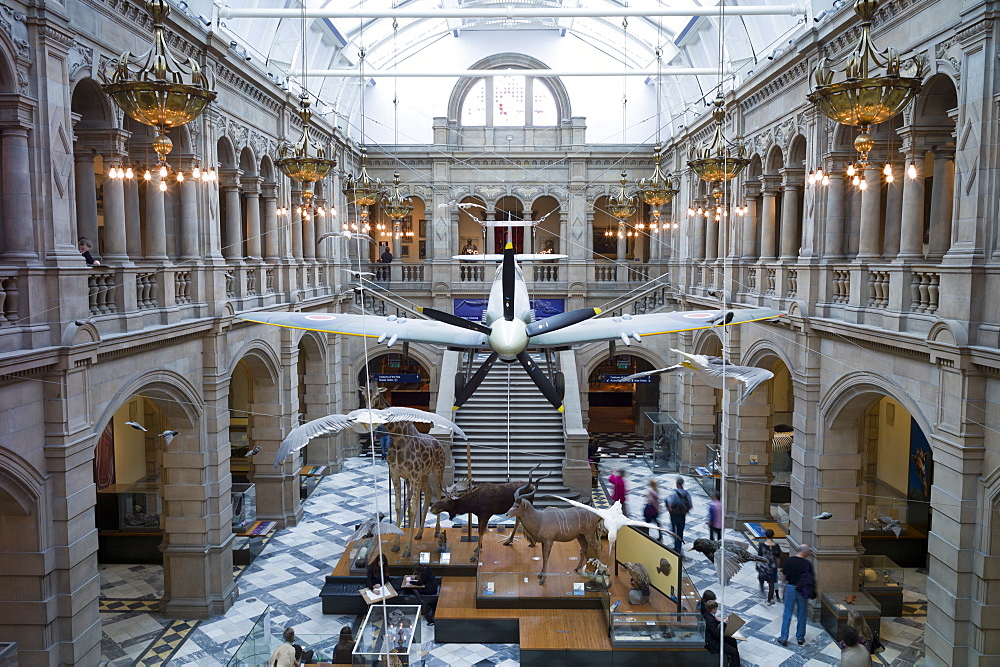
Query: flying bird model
[[714, 371], [507, 329], [614, 520], [891, 524], [375, 524], [823, 516], [734, 557], [167, 435], [365, 420], [136, 425], [345, 234]]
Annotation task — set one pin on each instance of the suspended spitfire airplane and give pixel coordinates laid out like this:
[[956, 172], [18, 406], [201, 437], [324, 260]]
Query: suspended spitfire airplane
[[507, 329]]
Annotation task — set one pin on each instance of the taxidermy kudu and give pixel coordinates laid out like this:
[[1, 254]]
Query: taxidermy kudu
[[557, 525], [485, 500]]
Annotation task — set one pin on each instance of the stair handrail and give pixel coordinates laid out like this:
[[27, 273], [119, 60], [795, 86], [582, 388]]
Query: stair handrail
[[649, 298], [373, 291]]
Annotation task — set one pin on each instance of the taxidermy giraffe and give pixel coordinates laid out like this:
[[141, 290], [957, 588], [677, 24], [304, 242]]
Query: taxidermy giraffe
[[419, 459]]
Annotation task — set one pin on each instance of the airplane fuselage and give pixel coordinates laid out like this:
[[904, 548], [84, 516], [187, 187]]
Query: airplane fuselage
[[508, 338]]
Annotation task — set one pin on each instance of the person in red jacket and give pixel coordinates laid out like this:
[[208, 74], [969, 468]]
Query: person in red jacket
[[617, 481]]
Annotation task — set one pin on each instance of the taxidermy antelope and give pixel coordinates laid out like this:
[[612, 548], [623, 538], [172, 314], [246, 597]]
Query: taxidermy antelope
[[485, 500], [557, 525]]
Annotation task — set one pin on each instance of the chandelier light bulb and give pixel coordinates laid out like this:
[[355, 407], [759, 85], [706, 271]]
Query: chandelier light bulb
[[147, 176], [163, 172], [819, 174], [911, 171], [700, 211], [690, 212], [333, 212], [196, 173], [180, 176], [887, 169], [856, 180], [863, 185], [212, 175], [812, 177], [129, 173], [826, 179], [889, 178], [851, 171], [163, 186]]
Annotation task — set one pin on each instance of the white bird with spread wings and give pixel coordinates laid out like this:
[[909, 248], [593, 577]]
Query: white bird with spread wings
[[614, 520], [365, 420], [715, 372]]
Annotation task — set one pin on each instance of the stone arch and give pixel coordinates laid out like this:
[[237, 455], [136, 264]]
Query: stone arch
[[774, 161], [8, 72], [512, 61], [357, 364], [248, 161], [841, 400], [314, 394], [261, 358], [707, 341], [590, 360], [762, 348], [226, 153], [158, 385]]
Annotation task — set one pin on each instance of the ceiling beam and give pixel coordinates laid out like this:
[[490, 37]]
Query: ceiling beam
[[227, 12], [489, 73]]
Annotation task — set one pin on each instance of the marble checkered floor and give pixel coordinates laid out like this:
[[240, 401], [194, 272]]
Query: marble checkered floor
[[287, 577]]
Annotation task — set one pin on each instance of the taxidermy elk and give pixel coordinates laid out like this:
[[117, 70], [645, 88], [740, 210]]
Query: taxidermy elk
[[558, 525], [486, 500]]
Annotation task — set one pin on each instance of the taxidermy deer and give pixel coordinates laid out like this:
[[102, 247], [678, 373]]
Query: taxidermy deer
[[485, 500], [557, 525]]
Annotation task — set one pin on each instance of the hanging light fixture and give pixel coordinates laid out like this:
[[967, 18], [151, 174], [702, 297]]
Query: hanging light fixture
[[718, 160], [623, 205], [295, 160], [863, 100], [397, 207], [361, 190], [155, 90]]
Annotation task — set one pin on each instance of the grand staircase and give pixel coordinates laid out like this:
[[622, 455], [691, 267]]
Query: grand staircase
[[508, 407]]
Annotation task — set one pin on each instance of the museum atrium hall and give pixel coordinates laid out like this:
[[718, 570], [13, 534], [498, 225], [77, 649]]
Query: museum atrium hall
[[803, 187]]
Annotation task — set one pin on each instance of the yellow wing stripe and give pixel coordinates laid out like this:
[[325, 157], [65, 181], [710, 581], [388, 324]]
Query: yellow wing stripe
[[293, 326], [713, 326]]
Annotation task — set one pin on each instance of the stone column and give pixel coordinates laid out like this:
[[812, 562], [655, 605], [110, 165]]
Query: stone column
[[712, 234], [621, 246], [751, 191], [155, 226], [698, 251], [19, 235], [768, 218], [133, 219], [833, 246], [911, 235], [790, 221], [295, 221], [321, 226], [86, 196], [114, 216], [893, 216], [232, 243], [871, 214], [269, 192], [189, 247], [251, 193], [490, 232], [942, 199]]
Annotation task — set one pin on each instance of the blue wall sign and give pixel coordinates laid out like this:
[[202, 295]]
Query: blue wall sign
[[397, 377], [620, 379], [472, 309]]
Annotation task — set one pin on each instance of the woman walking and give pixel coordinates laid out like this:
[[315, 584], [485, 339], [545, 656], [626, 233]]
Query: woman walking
[[651, 511], [768, 572]]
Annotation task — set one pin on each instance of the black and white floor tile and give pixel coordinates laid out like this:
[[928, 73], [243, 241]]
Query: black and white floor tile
[[287, 577]]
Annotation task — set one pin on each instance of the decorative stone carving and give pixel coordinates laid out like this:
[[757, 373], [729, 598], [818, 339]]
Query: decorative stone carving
[[784, 133], [458, 192], [14, 24], [79, 57], [528, 193], [491, 192]]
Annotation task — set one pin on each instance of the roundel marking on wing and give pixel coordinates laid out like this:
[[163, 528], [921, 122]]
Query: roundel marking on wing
[[701, 315], [321, 318]]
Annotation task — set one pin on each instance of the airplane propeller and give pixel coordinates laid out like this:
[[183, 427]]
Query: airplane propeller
[[509, 341]]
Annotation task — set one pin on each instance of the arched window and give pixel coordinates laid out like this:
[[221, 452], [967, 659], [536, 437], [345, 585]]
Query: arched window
[[508, 99]]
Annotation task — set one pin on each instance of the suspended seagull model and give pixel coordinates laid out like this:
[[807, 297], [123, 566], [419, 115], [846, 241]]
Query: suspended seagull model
[[507, 329], [365, 420], [714, 371]]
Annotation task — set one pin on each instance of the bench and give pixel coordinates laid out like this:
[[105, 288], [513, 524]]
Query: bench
[[340, 595]]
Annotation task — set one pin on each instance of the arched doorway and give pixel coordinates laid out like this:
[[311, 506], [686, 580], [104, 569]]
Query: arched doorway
[[406, 381], [618, 407]]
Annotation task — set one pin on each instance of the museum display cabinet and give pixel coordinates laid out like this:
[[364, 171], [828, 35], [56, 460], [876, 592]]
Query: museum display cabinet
[[128, 523], [389, 630], [244, 499], [837, 605], [521, 590], [666, 456], [677, 630], [882, 579], [908, 548]]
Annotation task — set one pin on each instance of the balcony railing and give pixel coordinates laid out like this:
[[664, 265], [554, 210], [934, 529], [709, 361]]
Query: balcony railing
[[9, 300], [924, 289]]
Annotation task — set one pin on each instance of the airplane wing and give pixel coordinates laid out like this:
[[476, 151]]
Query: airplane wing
[[395, 329], [627, 327]]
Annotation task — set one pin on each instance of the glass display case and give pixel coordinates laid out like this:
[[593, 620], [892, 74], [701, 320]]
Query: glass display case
[[661, 629], [879, 517], [882, 579], [139, 507], [244, 499], [389, 630], [505, 590], [666, 455]]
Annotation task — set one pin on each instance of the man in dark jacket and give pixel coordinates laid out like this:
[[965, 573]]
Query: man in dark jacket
[[386, 257], [796, 567]]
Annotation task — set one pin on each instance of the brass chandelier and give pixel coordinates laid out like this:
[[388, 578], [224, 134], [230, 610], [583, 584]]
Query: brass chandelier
[[397, 207], [361, 190], [623, 206], [863, 100], [298, 164], [718, 160], [159, 92], [657, 191]]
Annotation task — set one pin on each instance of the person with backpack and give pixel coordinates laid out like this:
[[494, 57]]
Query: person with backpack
[[800, 587], [679, 503]]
